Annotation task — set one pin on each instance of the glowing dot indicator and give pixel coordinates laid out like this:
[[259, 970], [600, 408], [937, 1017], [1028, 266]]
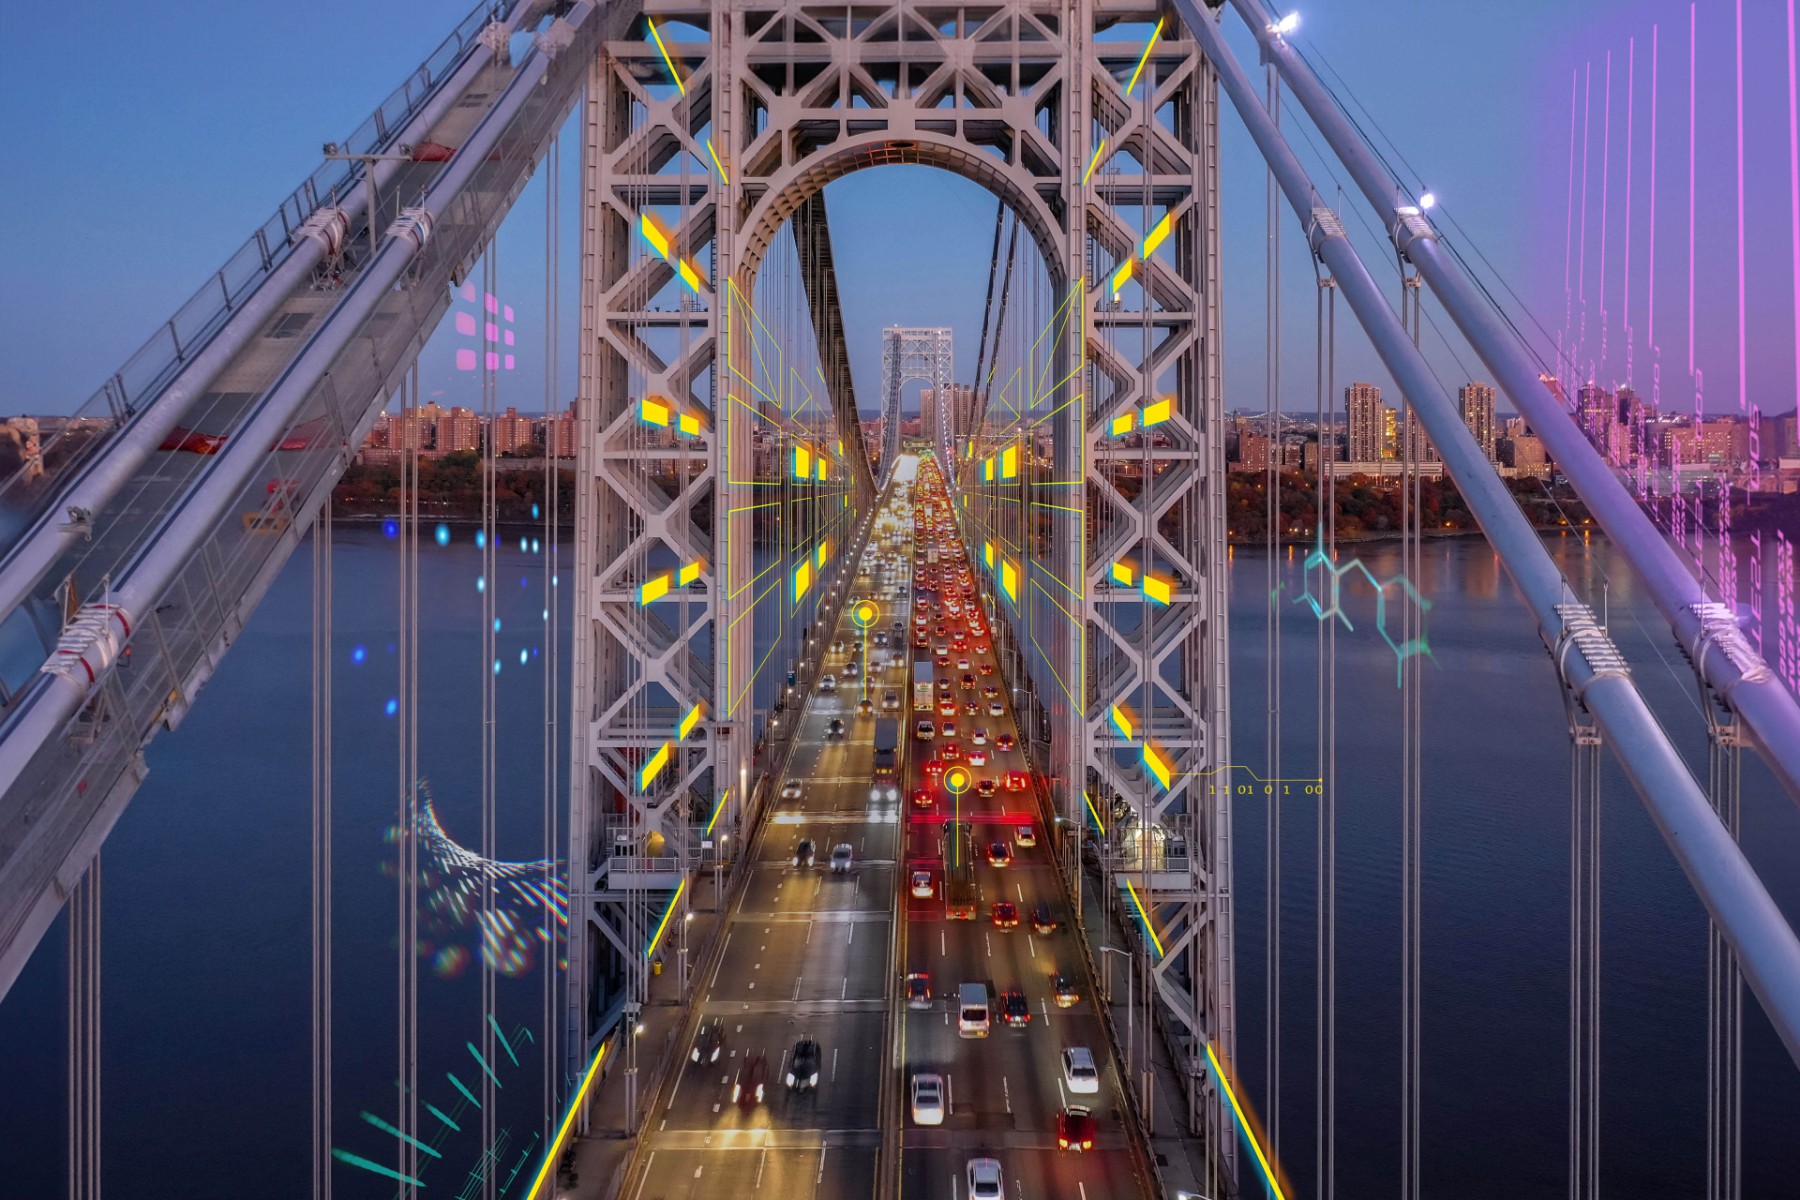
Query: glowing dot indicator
[[496, 624], [481, 583], [524, 655], [393, 706], [390, 528], [534, 512], [866, 613], [496, 666], [443, 534], [358, 654], [956, 781]]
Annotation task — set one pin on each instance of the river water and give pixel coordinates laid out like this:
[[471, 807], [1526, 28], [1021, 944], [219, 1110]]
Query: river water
[[207, 944]]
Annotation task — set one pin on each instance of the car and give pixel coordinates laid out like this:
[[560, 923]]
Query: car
[[752, 1078], [1075, 1127], [1080, 1075], [1006, 742], [803, 1067], [890, 702], [828, 682], [1064, 991], [919, 642], [947, 729], [709, 1043], [986, 668], [791, 790], [1026, 835], [990, 692], [922, 888], [999, 854], [924, 731], [1043, 917], [834, 728], [972, 708], [978, 757], [986, 1182], [960, 644], [918, 990], [927, 1099], [941, 650], [803, 853], [851, 670], [842, 859], [950, 752], [943, 687], [922, 798], [1017, 781], [1005, 914], [946, 708], [985, 786], [996, 709], [934, 767], [962, 664], [865, 707], [979, 735], [881, 634], [968, 683], [837, 647], [1015, 1009]]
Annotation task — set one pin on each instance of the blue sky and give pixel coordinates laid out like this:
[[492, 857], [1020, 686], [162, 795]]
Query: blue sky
[[144, 142]]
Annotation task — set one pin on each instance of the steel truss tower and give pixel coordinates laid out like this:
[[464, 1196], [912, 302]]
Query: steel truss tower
[[906, 355], [1019, 97]]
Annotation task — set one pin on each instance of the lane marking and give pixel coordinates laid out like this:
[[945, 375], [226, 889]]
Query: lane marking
[[1006, 1090], [1031, 945], [649, 1163]]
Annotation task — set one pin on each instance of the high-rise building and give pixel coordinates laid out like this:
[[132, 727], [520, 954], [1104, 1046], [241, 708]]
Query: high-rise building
[[1368, 430], [1476, 400], [1596, 410], [459, 429], [511, 431], [958, 407], [1390, 437], [561, 433], [1418, 441], [412, 429]]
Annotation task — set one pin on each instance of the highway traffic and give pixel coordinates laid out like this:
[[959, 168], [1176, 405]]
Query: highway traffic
[[790, 1039]]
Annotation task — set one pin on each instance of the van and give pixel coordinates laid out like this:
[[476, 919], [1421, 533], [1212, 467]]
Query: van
[[972, 1010]]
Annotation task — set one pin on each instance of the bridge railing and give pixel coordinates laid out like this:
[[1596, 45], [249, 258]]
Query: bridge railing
[[33, 484]]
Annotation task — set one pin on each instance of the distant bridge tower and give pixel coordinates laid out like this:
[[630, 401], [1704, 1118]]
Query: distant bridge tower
[[906, 355]]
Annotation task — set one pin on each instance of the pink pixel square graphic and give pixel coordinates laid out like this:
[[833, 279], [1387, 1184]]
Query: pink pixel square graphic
[[487, 333]]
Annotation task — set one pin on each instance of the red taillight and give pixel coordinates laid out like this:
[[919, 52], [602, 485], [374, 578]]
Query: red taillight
[[1063, 1142], [1087, 1145]]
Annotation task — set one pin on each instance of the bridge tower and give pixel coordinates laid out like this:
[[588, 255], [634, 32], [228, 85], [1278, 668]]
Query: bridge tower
[[1106, 154], [906, 355]]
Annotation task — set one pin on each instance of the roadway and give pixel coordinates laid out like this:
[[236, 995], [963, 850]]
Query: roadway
[[807, 953], [810, 953], [1004, 1090]]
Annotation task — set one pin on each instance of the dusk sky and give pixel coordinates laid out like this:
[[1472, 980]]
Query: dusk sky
[[145, 142]]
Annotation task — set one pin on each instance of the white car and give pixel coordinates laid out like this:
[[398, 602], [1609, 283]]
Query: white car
[[985, 1180], [1027, 836], [921, 885], [978, 758], [1079, 1073], [979, 737], [928, 1099], [790, 790], [996, 709], [841, 858], [828, 683]]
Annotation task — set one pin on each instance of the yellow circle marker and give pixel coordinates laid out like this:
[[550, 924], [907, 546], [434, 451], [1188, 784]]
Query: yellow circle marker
[[956, 781], [866, 613]]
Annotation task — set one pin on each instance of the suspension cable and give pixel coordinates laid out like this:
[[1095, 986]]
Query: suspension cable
[[1411, 781], [321, 853], [406, 834], [1724, 981], [548, 928], [1272, 632], [1325, 934], [490, 672], [84, 1035]]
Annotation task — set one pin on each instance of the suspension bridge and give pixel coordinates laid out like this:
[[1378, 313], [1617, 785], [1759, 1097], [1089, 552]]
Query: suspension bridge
[[940, 723]]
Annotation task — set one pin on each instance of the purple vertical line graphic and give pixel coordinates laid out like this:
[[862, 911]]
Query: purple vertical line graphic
[[1692, 110], [1650, 308], [1562, 365], [1630, 137], [1605, 200], [1794, 179], [1743, 339], [1587, 112]]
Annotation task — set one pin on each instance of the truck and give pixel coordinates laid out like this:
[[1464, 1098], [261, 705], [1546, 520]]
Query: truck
[[961, 896], [923, 674], [887, 748]]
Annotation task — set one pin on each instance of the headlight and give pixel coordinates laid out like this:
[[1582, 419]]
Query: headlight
[[790, 1079], [815, 1079]]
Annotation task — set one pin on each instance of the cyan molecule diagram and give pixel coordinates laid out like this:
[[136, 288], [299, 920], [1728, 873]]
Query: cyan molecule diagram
[[1325, 602]]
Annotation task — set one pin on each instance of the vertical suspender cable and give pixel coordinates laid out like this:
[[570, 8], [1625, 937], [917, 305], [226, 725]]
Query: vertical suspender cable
[[1272, 631], [552, 491], [84, 1036], [321, 855], [490, 671], [406, 837], [1411, 454], [1325, 933], [1724, 985]]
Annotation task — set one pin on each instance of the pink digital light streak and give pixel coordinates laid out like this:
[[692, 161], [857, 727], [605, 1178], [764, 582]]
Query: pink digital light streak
[[1692, 112], [1605, 201], [1562, 364], [1794, 190], [1743, 343]]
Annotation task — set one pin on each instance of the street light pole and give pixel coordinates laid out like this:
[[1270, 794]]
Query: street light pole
[[1130, 1001]]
